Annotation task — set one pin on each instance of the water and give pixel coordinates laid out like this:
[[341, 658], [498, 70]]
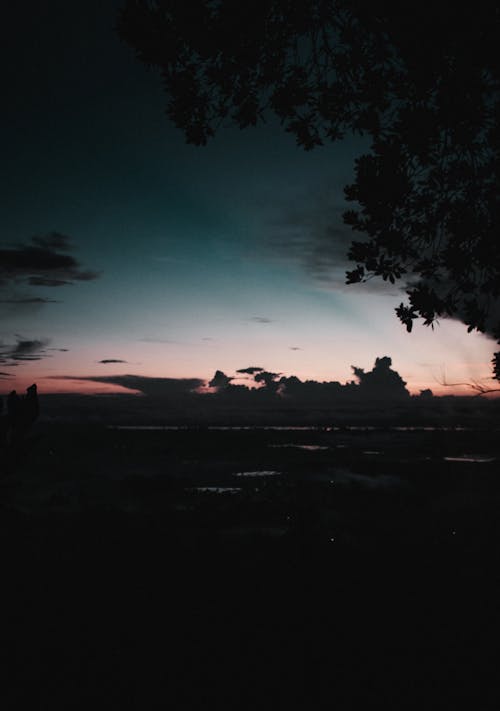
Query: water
[[305, 428], [258, 473], [307, 447], [475, 458], [216, 489]]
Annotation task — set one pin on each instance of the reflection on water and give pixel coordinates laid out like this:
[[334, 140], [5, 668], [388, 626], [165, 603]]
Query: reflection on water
[[216, 489], [305, 428], [307, 447], [263, 472], [174, 428], [470, 458], [273, 428], [429, 428]]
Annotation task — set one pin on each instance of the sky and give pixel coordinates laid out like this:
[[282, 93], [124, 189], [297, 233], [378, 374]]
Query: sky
[[169, 260]]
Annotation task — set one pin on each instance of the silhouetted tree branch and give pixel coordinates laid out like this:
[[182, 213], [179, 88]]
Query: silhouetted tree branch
[[479, 388], [421, 80]]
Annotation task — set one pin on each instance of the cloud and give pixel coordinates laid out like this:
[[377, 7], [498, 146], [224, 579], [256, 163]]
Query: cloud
[[23, 350], [260, 319], [157, 340], [111, 360], [30, 300], [44, 261], [5, 375], [152, 387], [308, 231], [220, 380], [294, 348], [43, 281], [53, 240], [269, 379], [29, 350], [381, 382], [380, 388]]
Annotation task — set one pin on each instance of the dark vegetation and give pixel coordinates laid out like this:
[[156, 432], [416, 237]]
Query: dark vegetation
[[421, 81]]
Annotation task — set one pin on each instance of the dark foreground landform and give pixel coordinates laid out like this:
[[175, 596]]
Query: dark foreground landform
[[251, 568], [193, 410]]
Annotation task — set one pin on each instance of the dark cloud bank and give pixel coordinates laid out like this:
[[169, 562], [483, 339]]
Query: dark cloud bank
[[24, 350], [378, 395], [380, 384], [44, 261]]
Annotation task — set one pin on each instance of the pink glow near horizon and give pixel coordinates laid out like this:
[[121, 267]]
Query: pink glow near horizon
[[424, 359], [54, 385]]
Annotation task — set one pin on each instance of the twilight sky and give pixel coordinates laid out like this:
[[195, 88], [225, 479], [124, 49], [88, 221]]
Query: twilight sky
[[177, 260]]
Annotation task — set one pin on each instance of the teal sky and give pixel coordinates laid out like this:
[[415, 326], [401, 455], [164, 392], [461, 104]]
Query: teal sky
[[217, 257]]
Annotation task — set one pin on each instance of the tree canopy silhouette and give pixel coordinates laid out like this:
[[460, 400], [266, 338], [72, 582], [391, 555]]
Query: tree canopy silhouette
[[421, 80]]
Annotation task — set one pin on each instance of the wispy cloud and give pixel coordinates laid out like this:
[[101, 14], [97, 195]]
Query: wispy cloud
[[43, 261], [23, 350], [30, 300], [308, 231], [260, 319], [155, 339], [111, 360]]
